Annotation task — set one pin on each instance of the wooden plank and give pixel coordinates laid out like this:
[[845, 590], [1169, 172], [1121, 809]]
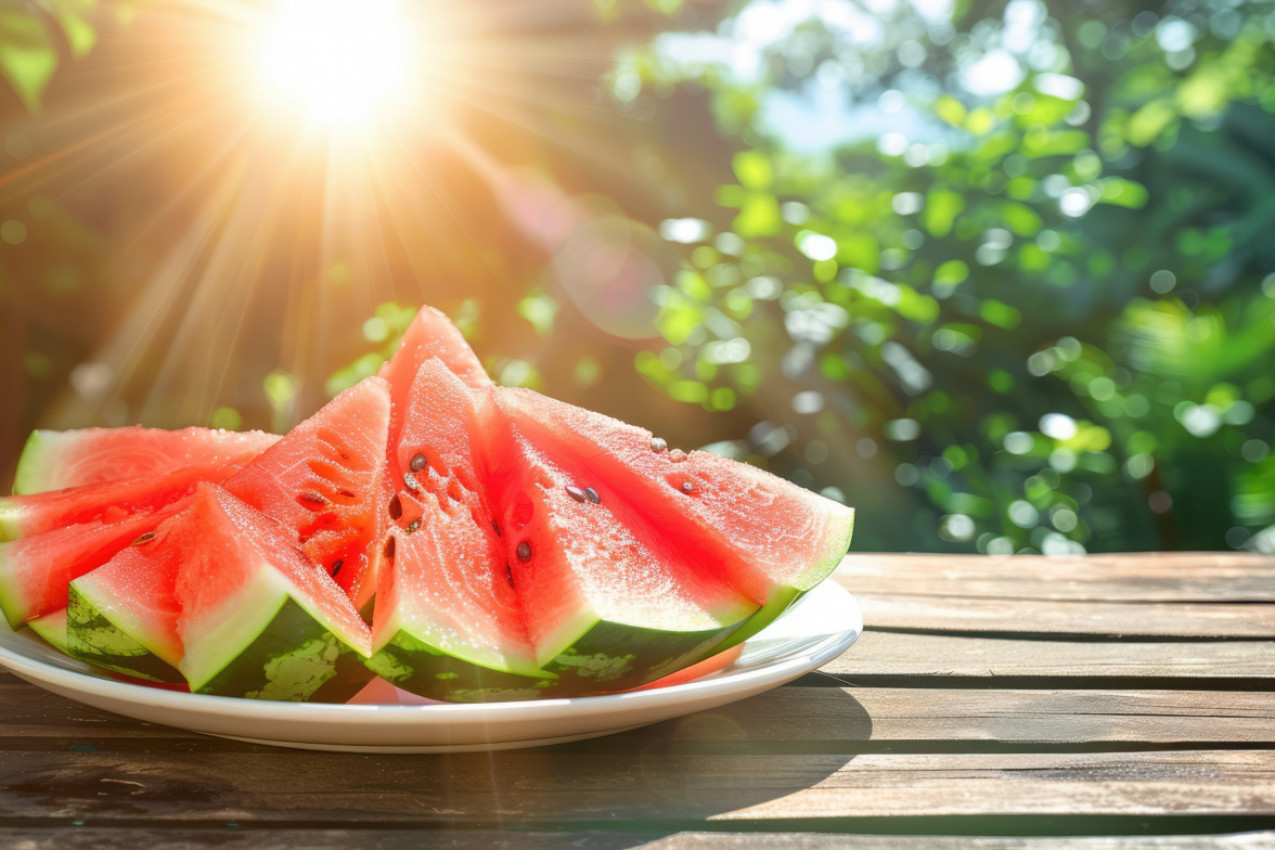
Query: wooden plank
[[572, 790], [235, 838], [900, 656], [1034, 616], [794, 718], [1143, 577]]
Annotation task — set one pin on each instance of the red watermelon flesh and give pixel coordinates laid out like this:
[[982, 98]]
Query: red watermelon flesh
[[431, 335], [577, 561], [56, 460], [239, 573], [108, 501], [449, 585], [326, 481], [35, 571], [765, 535]]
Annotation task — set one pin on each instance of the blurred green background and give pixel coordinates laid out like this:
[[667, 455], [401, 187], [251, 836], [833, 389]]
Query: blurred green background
[[1001, 275]]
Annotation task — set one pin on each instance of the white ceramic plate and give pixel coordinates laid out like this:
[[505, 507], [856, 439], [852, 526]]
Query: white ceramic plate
[[821, 626]]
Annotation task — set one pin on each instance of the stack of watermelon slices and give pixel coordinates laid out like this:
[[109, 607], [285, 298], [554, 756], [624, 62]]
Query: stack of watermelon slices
[[463, 541]]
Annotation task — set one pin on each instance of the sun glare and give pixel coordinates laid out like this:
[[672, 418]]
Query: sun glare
[[343, 62]]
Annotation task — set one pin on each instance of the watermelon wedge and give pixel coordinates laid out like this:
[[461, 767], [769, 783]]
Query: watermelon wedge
[[765, 536], [448, 624], [258, 618], [122, 616], [326, 481], [35, 571], [56, 460], [609, 603], [23, 516]]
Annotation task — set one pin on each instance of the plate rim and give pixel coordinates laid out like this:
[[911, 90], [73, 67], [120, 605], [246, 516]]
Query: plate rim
[[69, 682]]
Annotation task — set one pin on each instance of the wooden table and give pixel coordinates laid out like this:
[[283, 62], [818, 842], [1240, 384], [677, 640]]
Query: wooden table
[[1096, 702]]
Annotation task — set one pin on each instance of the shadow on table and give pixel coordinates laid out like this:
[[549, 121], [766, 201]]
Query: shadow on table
[[606, 793]]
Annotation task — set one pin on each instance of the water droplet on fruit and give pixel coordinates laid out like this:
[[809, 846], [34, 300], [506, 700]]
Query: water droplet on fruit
[[592, 495], [144, 538], [576, 493], [396, 507], [414, 525], [336, 568], [418, 462], [687, 487], [659, 444], [524, 551], [677, 455], [389, 548]]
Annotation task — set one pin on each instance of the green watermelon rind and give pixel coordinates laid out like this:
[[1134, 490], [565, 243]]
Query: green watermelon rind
[[277, 649], [31, 475], [415, 664], [51, 628], [95, 638], [11, 601], [11, 520]]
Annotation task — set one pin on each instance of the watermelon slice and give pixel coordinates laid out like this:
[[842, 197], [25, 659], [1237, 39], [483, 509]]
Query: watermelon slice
[[326, 481], [609, 603], [771, 539], [448, 624], [24, 516], [56, 460], [35, 571], [122, 615], [222, 593], [259, 619]]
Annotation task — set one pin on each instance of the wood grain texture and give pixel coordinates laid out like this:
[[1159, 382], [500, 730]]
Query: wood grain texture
[[938, 655], [826, 719], [1142, 577], [570, 789], [1069, 617]]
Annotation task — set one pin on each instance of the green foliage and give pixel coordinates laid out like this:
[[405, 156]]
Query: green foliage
[[1045, 301]]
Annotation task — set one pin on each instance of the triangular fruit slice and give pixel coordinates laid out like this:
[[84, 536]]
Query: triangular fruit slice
[[259, 619], [56, 460], [448, 624], [35, 571], [769, 538], [430, 336], [609, 605], [24, 516], [122, 616], [326, 481]]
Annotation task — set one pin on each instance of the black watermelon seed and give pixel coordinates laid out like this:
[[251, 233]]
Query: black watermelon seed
[[496, 527], [144, 538], [524, 551], [592, 495], [509, 574], [396, 507], [336, 568], [418, 462], [389, 548], [312, 497], [687, 487], [659, 444], [576, 493], [414, 525]]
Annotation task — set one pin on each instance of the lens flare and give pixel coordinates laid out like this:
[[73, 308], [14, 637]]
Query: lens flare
[[344, 63]]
